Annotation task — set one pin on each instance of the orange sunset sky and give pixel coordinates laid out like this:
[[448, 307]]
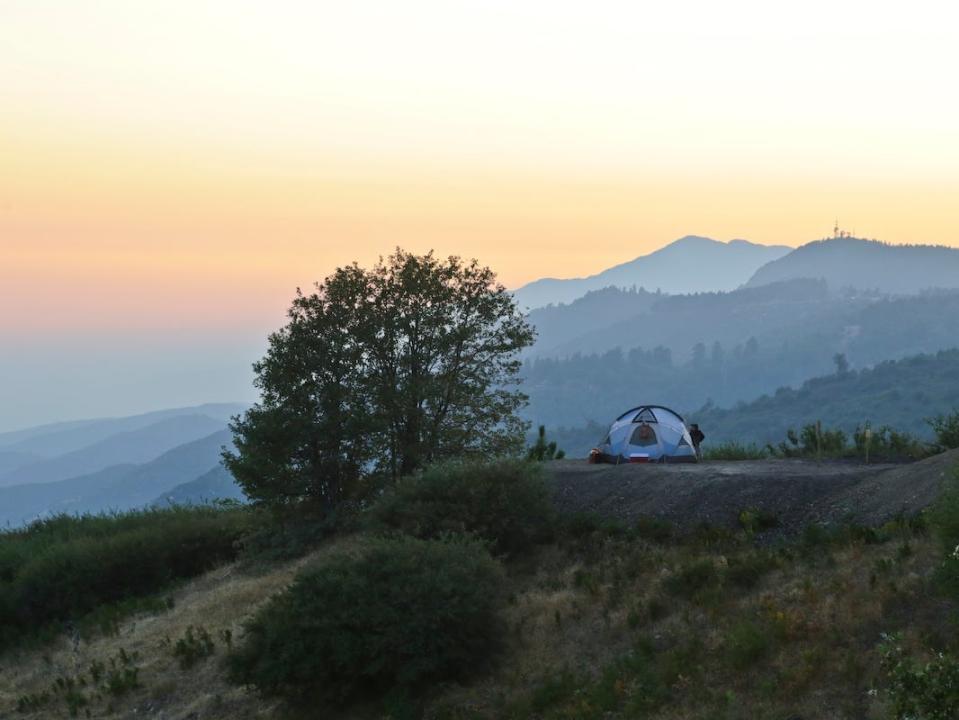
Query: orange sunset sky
[[181, 167]]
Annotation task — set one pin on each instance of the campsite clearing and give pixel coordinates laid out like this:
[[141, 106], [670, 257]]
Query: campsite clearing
[[797, 492]]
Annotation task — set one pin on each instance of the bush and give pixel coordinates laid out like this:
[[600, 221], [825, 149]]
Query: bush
[[812, 441], [542, 451], [888, 444], [946, 428], [944, 520], [64, 568], [735, 451], [692, 579], [921, 691], [747, 643], [403, 614], [503, 501]]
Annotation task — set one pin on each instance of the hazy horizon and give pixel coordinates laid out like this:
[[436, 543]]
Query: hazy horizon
[[172, 175]]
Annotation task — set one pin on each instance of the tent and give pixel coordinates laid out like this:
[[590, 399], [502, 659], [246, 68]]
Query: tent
[[648, 433]]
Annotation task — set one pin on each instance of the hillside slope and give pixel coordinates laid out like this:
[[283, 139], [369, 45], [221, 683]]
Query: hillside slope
[[688, 265], [866, 265]]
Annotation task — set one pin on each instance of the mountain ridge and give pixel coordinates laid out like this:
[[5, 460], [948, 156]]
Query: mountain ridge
[[692, 263], [850, 262]]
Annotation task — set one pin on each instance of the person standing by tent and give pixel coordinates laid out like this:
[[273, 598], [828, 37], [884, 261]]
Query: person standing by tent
[[697, 437]]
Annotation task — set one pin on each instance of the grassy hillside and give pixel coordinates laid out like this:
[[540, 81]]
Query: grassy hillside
[[595, 620]]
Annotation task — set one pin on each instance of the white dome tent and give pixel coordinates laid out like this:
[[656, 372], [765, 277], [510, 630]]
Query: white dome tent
[[648, 433]]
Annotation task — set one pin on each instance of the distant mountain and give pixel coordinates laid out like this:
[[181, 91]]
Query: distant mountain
[[866, 265], [688, 265], [11, 460], [134, 446], [216, 484], [59, 438], [559, 324], [121, 487]]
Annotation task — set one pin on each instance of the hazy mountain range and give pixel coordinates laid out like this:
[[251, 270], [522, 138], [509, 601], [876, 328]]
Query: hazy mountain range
[[688, 265], [127, 463], [695, 264]]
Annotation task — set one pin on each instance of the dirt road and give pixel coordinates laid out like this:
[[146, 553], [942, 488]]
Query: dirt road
[[798, 492]]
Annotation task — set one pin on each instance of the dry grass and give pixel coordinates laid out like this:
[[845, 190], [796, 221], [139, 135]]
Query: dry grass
[[218, 601], [821, 619], [577, 608]]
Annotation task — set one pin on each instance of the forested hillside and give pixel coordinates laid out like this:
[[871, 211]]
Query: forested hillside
[[723, 347], [901, 394]]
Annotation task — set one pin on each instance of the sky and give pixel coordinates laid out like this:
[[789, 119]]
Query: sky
[[171, 172]]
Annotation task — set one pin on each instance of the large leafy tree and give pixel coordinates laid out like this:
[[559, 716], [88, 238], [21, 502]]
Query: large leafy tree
[[382, 371]]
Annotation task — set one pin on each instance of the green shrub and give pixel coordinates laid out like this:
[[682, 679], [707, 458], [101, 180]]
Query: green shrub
[[692, 579], [921, 691], [503, 501], [66, 567], [400, 615], [747, 643], [542, 451], [195, 645], [735, 451], [746, 571], [943, 519], [946, 428], [887, 444], [753, 520]]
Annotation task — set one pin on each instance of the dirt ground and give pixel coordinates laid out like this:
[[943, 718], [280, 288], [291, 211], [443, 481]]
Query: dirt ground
[[798, 492]]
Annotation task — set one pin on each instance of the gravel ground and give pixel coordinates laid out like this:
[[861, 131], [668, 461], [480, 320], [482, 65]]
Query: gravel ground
[[798, 492]]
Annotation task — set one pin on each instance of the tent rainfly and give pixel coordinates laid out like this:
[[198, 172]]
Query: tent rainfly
[[648, 433]]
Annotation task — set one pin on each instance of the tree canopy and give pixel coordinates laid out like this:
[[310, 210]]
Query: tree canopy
[[378, 372]]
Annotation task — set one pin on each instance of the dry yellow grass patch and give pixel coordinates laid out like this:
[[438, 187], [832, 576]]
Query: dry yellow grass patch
[[219, 601]]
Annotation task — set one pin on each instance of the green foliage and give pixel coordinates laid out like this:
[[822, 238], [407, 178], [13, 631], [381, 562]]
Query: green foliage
[[887, 444], [946, 428], [921, 691], [944, 521], [746, 570], [63, 568], [195, 645], [812, 441], [735, 451], [505, 502], [747, 643], [754, 520], [402, 614], [389, 368], [542, 451], [692, 579], [115, 678]]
